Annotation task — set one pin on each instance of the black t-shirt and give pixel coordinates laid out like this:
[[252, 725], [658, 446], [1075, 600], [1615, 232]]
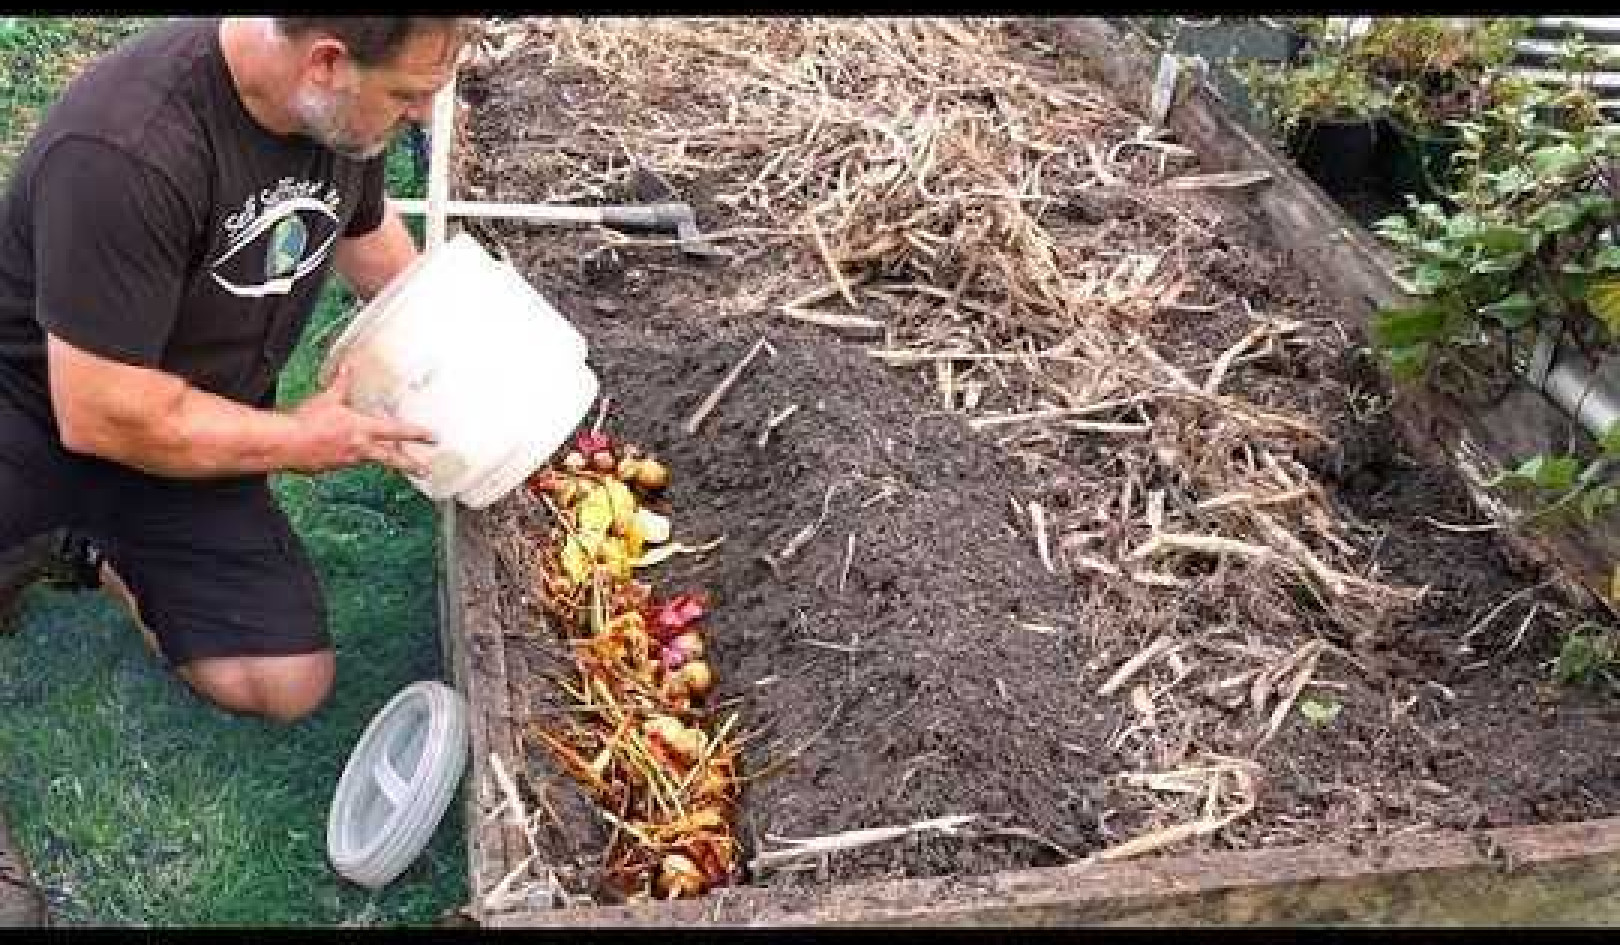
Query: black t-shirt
[[152, 221]]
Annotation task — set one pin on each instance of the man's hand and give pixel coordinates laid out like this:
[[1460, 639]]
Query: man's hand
[[156, 422], [335, 435]]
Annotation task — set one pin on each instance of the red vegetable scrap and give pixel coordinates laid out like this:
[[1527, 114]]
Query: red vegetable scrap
[[676, 615], [592, 443]]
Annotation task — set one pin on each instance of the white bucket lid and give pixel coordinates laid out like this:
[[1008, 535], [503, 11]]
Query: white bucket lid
[[397, 784]]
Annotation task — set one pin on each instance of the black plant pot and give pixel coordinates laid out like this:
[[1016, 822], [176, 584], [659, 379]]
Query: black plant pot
[[1339, 154], [1411, 162]]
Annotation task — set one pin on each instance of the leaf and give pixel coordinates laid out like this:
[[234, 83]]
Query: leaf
[[1603, 299], [1573, 285], [1461, 226], [1504, 263], [1407, 363], [660, 554], [616, 556], [1547, 472], [1596, 207], [651, 527], [1432, 214], [1394, 227], [1320, 713], [1503, 239], [1559, 160], [1609, 442], [1598, 500], [1513, 181], [634, 536], [1553, 473], [1404, 327], [1430, 277], [1512, 312], [1607, 258], [664, 552], [1557, 216]]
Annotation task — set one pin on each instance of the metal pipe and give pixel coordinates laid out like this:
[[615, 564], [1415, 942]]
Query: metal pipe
[[1583, 395], [1586, 395], [554, 213]]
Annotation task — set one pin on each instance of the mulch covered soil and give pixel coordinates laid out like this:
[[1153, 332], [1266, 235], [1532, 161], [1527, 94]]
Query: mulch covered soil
[[1140, 567]]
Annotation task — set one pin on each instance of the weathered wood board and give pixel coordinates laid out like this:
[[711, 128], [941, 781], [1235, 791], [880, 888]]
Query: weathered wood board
[[1569, 873], [475, 656], [1563, 873]]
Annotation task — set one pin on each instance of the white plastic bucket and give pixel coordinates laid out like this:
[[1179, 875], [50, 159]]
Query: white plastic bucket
[[463, 345]]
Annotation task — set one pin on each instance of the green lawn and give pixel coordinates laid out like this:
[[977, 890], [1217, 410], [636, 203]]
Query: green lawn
[[135, 802]]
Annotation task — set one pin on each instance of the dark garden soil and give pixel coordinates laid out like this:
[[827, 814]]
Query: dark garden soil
[[915, 657]]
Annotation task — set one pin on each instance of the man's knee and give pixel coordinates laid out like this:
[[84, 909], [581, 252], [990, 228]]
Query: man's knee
[[279, 688]]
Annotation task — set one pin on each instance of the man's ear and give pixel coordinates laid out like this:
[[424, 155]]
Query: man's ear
[[325, 62]]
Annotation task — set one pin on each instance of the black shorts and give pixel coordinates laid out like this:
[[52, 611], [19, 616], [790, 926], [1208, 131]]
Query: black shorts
[[214, 565]]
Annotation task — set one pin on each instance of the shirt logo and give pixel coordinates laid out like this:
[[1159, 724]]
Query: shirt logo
[[287, 241], [282, 234]]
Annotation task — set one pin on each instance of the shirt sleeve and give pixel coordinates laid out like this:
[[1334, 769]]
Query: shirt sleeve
[[112, 241], [368, 213]]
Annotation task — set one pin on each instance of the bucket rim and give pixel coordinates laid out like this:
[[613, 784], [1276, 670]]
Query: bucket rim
[[383, 307]]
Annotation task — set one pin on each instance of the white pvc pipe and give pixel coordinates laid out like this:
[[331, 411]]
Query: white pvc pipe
[[441, 132], [442, 128]]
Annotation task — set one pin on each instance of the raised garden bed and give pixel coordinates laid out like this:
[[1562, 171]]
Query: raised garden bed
[[1249, 658]]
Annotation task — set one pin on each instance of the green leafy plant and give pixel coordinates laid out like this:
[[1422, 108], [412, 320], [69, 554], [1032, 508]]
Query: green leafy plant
[[1407, 47], [1436, 68], [1438, 48], [1588, 656], [1330, 87], [1528, 251], [1566, 482], [1531, 243], [1580, 62]]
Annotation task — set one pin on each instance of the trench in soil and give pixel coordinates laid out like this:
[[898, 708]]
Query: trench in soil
[[916, 658]]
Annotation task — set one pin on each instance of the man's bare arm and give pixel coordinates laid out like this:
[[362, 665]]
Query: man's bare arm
[[367, 263], [158, 423]]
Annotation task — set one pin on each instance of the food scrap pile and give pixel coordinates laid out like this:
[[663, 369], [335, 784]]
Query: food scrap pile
[[642, 742]]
